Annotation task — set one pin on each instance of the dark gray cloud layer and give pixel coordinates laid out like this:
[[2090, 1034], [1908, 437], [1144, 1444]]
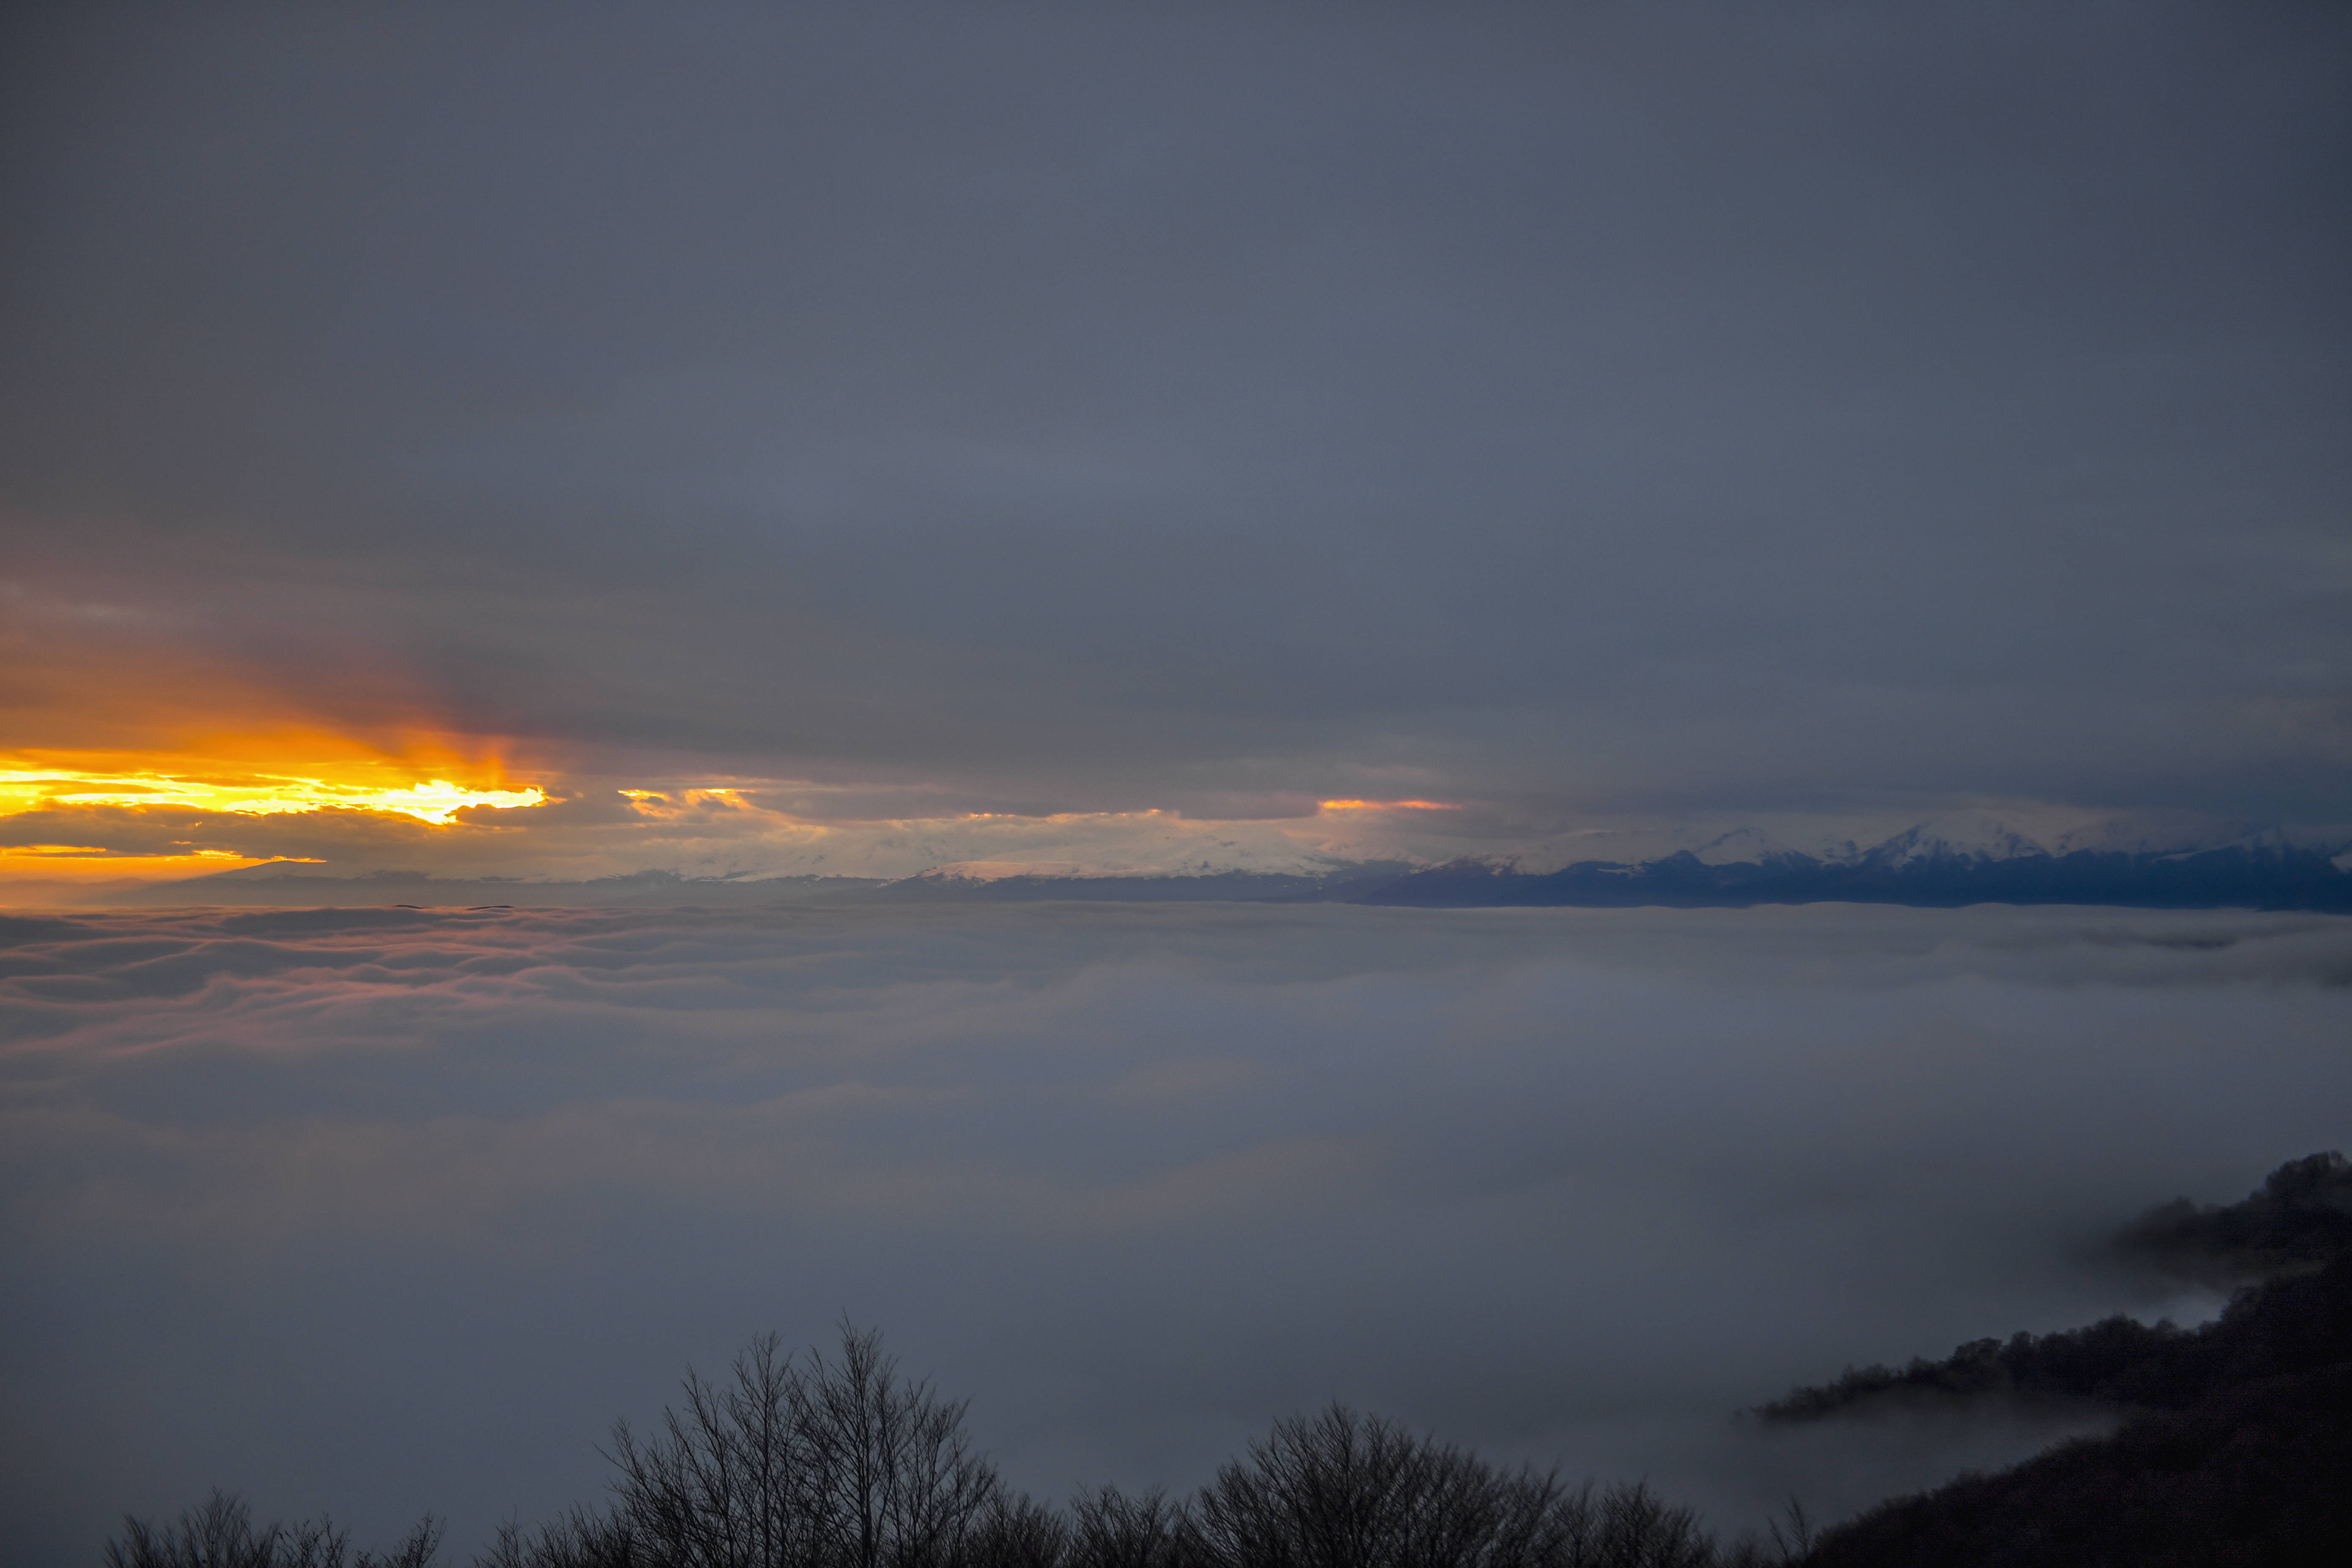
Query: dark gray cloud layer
[[1590, 408], [376, 1211]]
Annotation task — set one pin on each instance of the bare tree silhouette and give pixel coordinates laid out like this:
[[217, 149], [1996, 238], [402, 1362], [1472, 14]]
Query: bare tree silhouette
[[219, 1533], [889, 1480], [798, 1463], [1344, 1491], [1018, 1532], [1148, 1530], [811, 1461]]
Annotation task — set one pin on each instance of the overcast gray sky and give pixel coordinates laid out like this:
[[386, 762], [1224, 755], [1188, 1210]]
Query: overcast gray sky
[[1572, 412]]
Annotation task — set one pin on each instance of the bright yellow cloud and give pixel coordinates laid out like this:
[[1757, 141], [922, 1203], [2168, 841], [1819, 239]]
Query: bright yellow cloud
[[256, 794]]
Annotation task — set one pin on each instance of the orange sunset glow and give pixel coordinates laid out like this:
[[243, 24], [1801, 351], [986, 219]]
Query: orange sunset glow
[[250, 776], [81, 865], [267, 794]]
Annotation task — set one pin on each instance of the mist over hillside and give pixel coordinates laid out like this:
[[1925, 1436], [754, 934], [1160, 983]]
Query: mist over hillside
[[2235, 1436], [2231, 1445]]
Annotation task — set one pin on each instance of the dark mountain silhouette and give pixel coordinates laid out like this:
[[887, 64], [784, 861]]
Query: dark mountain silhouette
[[2237, 1445], [1900, 871], [2237, 876]]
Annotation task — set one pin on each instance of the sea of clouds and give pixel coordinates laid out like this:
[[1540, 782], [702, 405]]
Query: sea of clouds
[[384, 1210]]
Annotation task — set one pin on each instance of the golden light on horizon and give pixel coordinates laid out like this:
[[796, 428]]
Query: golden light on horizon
[[94, 863], [435, 800], [97, 804]]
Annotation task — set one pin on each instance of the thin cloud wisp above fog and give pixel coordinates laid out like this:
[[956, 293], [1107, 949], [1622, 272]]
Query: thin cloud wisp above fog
[[383, 1210]]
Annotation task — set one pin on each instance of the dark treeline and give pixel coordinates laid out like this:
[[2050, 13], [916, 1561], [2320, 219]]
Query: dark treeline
[[2300, 1217], [2237, 1442], [2256, 1474], [2235, 1448], [2293, 1234], [220, 1534], [2290, 1327], [840, 1462]]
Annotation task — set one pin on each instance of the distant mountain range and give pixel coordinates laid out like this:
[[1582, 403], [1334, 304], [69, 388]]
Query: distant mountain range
[[2275, 877], [1915, 867]]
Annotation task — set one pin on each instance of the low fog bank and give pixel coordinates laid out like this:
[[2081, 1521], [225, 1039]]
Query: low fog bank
[[381, 1211]]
